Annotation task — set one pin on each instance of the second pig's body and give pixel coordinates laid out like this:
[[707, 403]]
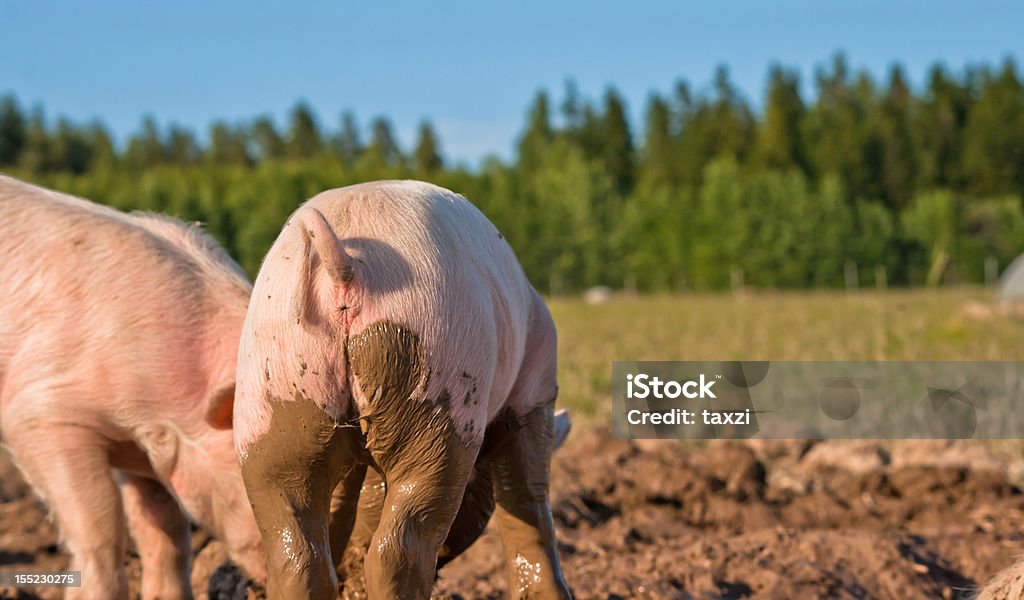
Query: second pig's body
[[118, 346]]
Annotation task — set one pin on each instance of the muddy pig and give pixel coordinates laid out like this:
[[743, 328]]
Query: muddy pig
[[118, 347], [391, 326]]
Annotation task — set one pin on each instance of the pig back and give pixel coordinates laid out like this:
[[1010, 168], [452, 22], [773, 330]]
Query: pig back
[[426, 259], [107, 312]]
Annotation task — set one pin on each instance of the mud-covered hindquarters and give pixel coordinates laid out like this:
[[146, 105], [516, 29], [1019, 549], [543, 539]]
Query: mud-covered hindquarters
[[723, 519]]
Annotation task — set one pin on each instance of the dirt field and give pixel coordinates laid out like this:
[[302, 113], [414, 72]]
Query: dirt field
[[716, 520]]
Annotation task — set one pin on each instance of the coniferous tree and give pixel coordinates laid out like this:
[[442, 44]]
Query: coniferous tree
[[866, 175], [348, 144], [898, 159], [182, 147], [101, 144], [427, 154], [833, 128], [731, 124], [383, 150], [69, 148], [572, 108], [719, 126], [779, 143], [146, 148], [939, 130], [684, 105], [688, 116], [228, 145], [303, 133], [534, 143], [617, 146], [659, 148], [12, 131], [36, 153], [266, 141], [993, 157], [589, 135]]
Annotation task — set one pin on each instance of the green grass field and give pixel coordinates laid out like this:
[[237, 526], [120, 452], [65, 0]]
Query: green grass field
[[826, 325]]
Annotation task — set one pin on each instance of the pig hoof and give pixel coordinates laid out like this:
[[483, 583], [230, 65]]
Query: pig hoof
[[562, 427], [228, 583]]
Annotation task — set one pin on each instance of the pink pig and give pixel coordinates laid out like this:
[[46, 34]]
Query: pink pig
[[118, 348], [392, 327]]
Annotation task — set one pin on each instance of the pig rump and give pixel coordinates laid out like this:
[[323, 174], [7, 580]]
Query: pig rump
[[392, 328]]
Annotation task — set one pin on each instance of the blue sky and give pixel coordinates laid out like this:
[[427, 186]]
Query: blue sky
[[471, 67]]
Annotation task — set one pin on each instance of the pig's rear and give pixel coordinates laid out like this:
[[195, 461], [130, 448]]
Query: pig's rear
[[417, 258], [391, 326]]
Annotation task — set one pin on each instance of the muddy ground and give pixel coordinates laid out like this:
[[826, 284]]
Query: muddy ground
[[921, 519]]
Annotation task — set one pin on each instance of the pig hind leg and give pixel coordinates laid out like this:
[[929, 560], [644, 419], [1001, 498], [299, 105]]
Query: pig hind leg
[[426, 477], [470, 522], [520, 467], [68, 465], [289, 475], [348, 527], [423, 458], [478, 501], [161, 534], [474, 512]]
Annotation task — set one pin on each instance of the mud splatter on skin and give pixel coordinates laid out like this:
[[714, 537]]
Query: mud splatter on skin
[[470, 397], [421, 455], [388, 361], [289, 475]]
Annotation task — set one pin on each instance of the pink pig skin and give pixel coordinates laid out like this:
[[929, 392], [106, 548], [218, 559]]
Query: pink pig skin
[[474, 311], [118, 348], [418, 262]]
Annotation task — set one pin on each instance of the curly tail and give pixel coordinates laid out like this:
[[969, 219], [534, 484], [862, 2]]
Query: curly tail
[[318, 237]]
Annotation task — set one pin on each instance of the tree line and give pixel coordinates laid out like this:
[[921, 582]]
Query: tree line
[[911, 186]]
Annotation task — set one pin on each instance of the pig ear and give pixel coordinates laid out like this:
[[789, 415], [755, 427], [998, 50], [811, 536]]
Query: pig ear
[[219, 407]]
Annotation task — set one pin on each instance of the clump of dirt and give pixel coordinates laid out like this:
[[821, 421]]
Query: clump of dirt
[[660, 519]]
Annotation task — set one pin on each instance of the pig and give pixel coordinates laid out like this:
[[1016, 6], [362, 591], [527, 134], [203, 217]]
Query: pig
[[391, 328], [118, 347]]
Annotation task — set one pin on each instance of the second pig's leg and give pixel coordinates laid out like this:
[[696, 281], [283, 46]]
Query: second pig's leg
[[161, 534]]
